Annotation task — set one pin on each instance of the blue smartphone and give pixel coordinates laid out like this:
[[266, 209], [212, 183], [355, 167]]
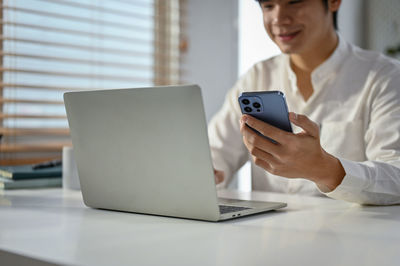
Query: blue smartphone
[[268, 106]]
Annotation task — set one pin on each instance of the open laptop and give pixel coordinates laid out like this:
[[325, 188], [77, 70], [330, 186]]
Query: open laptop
[[146, 150]]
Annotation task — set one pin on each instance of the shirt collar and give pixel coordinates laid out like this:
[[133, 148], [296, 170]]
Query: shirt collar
[[331, 65], [327, 69]]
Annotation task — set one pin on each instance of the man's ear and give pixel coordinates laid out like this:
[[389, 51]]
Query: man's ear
[[334, 5]]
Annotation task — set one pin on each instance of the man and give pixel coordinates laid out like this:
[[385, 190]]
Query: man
[[344, 101]]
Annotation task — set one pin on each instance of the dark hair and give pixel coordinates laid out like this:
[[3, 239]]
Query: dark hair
[[334, 14]]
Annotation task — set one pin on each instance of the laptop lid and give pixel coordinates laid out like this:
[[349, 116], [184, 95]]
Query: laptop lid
[[144, 150]]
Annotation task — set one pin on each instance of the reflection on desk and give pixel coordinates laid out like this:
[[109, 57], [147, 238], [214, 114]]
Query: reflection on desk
[[53, 225]]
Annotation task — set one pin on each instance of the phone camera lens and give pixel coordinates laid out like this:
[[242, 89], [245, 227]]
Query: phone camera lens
[[248, 109], [256, 105], [245, 101]]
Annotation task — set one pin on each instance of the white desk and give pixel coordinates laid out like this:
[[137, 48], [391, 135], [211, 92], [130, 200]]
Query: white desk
[[55, 226]]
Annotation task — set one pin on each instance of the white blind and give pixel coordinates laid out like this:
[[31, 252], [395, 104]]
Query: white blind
[[49, 47]]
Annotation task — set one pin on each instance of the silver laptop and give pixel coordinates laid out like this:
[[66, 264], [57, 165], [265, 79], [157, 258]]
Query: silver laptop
[[146, 150]]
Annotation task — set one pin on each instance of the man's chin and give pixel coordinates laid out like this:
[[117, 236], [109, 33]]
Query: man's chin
[[289, 49]]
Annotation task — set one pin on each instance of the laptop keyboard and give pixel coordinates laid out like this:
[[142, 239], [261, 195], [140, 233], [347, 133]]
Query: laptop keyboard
[[226, 209]]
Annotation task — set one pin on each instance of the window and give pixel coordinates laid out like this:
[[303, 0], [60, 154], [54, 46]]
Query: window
[[49, 47], [254, 43]]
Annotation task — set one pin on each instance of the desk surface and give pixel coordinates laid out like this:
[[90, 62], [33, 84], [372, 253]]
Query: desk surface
[[54, 226]]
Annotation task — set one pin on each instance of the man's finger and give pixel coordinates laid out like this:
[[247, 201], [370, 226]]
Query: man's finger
[[305, 123], [252, 139], [258, 155], [265, 128]]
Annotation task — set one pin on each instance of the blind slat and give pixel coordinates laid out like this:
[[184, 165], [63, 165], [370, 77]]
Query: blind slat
[[82, 61], [147, 3], [43, 147], [43, 87], [122, 13], [79, 33], [34, 131], [29, 116], [5, 100], [90, 21], [172, 57], [87, 20], [74, 74]]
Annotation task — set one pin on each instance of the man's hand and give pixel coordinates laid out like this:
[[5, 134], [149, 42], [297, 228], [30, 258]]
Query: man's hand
[[219, 176], [294, 155]]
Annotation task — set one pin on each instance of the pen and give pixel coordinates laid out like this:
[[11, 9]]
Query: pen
[[48, 164]]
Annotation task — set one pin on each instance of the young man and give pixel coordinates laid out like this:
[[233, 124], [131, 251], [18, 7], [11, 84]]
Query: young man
[[344, 101]]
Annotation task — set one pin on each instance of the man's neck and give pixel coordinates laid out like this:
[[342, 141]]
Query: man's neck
[[308, 61], [304, 64]]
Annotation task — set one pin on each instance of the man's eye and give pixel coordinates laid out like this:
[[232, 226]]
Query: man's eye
[[267, 6]]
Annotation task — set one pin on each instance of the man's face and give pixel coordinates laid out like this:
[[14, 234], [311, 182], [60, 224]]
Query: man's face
[[296, 26]]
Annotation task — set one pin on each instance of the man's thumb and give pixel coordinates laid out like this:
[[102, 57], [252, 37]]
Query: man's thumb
[[305, 123]]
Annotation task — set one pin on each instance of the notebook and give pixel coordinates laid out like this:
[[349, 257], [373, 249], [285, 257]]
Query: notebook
[[6, 183], [28, 172], [146, 150]]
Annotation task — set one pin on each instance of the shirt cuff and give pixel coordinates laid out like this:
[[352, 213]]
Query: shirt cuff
[[353, 182]]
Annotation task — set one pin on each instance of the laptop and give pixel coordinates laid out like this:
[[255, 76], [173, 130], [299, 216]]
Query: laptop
[[146, 150]]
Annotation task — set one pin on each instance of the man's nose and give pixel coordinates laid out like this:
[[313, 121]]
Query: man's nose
[[281, 16]]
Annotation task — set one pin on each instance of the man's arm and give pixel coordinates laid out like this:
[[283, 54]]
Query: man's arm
[[376, 181], [294, 155], [370, 182]]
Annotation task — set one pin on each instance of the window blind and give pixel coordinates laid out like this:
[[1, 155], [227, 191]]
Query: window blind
[[48, 47]]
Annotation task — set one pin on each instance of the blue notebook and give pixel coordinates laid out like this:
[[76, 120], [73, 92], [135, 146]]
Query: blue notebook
[[28, 172], [6, 183]]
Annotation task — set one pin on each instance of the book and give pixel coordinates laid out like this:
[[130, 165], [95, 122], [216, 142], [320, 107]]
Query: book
[[6, 183], [28, 172]]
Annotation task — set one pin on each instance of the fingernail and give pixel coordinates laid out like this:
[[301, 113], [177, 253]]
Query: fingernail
[[294, 116], [244, 119]]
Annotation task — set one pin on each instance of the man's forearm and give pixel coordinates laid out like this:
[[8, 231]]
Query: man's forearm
[[329, 174], [370, 182]]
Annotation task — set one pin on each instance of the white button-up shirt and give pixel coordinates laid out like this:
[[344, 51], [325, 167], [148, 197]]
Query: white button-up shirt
[[356, 102]]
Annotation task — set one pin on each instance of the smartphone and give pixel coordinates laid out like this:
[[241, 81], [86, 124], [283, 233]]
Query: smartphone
[[268, 106]]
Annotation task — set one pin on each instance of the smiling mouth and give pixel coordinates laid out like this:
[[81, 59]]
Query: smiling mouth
[[287, 36]]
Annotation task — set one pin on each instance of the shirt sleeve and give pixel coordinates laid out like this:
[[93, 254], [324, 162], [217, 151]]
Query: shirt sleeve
[[377, 181], [226, 143]]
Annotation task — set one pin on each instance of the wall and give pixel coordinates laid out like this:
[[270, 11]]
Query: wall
[[351, 21], [383, 24], [211, 60]]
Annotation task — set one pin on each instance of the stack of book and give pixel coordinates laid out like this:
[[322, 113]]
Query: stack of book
[[30, 176]]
